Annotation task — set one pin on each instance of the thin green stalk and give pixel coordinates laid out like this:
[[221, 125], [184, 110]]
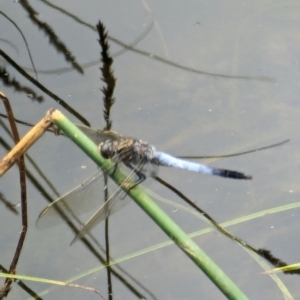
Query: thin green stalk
[[216, 275]]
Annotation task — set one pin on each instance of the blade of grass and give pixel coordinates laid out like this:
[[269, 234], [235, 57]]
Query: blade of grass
[[50, 281], [200, 258]]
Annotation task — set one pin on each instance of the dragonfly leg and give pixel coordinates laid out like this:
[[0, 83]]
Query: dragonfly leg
[[141, 176], [115, 168]]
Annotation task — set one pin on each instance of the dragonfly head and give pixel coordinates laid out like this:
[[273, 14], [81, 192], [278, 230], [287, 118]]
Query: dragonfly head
[[107, 149]]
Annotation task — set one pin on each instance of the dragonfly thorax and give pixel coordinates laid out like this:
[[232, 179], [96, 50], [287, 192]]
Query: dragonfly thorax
[[128, 150], [142, 152]]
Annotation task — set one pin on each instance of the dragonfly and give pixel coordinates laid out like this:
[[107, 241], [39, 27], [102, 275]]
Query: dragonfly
[[139, 158]]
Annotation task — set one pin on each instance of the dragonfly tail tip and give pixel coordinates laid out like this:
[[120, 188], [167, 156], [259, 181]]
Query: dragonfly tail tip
[[231, 174]]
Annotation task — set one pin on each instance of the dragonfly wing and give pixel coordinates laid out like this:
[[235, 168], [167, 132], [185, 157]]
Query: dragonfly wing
[[98, 136], [167, 160], [150, 169], [81, 199], [114, 203], [117, 201]]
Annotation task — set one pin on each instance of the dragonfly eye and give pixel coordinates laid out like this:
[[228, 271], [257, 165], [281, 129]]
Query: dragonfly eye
[[106, 149]]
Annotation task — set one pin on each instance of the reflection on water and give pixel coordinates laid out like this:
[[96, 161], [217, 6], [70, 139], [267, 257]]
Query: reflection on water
[[181, 112]]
